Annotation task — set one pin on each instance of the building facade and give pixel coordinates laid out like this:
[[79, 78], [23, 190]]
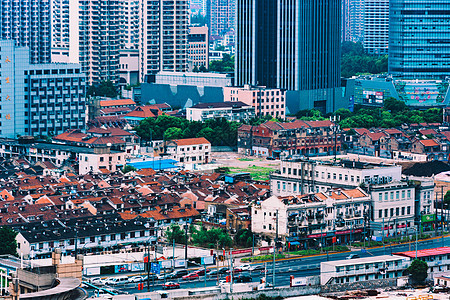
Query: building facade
[[198, 53], [221, 16], [39, 99], [232, 111], [99, 40], [353, 20], [363, 269], [293, 45], [267, 102], [28, 23], [314, 220], [189, 152], [376, 26], [163, 36], [418, 47], [304, 176]]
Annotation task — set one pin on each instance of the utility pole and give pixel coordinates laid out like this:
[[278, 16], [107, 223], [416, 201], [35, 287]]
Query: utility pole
[[231, 270], [416, 242], [275, 249], [442, 214], [186, 244], [382, 239]]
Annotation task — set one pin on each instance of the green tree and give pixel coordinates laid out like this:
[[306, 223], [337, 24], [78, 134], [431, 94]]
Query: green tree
[[8, 243], [418, 270], [355, 61], [211, 238], [226, 65], [173, 133], [128, 168], [174, 232], [447, 199], [394, 105], [244, 238], [105, 89]]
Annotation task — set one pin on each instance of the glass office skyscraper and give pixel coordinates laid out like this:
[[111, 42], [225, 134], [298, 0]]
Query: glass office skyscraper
[[419, 39]]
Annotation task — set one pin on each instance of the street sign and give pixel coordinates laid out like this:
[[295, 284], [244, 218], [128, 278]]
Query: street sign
[[155, 268]]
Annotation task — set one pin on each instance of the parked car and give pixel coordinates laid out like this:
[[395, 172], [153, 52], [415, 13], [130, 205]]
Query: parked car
[[224, 270], [190, 276], [97, 281], [171, 285], [117, 280], [243, 278], [352, 256], [213, 273]]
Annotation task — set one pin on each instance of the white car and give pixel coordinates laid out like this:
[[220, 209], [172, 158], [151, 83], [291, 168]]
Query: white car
[[135, 279], [245, 267], [97, 281]]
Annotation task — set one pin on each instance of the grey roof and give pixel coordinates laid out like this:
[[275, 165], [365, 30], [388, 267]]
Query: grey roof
[[236, 104]]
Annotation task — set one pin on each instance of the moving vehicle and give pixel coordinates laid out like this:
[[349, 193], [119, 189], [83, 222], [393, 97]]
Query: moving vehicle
[[180, 273], [245, 267], [352, 256], [224, 270], [190, 276], [201, 272], [243, 278], [256, 268], [171, 285], [117, 280], [135, 279]]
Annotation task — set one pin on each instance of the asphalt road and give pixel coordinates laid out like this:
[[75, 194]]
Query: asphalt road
[[298, 267]]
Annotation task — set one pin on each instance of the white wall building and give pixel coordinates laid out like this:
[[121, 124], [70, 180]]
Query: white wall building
[[232, 111], [97, 161], [189, 152], [305, 176], [393, 208], [314, 219], [437, 259], [362, 269]]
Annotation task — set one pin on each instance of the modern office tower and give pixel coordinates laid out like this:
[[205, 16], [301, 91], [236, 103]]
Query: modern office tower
[[292, 45], [129, 24], [99, 40], [163, 31], [353, 20], [198, 53], [38, 99], [376, 26], [28, 24], [419, 39], [221, 16]]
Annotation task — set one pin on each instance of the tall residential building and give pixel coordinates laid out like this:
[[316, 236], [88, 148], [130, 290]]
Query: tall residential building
[[38, 99], [419, 42], [353, 20], [129, 24], [28, 24], [376, 26], [163, 31], [198, 6], [221, 16], [292, 45], [99, 39]]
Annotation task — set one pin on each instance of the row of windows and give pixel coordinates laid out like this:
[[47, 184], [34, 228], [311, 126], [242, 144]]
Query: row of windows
[[398, 212], [390, 195]]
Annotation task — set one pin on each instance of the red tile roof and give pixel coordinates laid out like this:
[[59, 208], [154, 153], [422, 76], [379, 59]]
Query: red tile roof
[[428, 132], [192, 141], [425, 252], [375, 136], [107, 103], [361, 131], [147, 111], [429, 143]]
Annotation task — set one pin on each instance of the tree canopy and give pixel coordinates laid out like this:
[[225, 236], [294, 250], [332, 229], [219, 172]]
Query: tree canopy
[[226, 65], [244, 238], [211, 238], [393, 114], [8, 243], [355, 61], [219, 132], [104, 89], [418, 270], [174, 232]]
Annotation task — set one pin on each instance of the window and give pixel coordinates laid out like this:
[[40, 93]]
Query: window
[[328, 175], [409, 194], [392, 212], [101, 158], [408, 210], [380, 213], [334, 176], [357, 178], [352, 178], [392, 195], [386, 213], [380, 197], [403, 194], [386, 197], [397, 211], [92, 239], [346, 177], [397, 195], [340, 176]]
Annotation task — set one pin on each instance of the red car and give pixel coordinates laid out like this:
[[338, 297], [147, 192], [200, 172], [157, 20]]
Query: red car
[[171, 285], [190, 276], [201, 272]]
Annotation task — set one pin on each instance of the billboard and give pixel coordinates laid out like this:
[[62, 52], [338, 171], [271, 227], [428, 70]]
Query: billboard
[[373, 97]]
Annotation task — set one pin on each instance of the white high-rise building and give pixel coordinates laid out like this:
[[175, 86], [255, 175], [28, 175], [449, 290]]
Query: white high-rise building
[[129, 24], [99, 40], [376, 26], [163, 31]]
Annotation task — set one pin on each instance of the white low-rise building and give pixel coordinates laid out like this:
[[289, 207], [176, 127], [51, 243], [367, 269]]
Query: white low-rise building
[[101, 160], [393, 208], [362, 269], [231, 111], [313, 176], [437, 259], [189, 152], [314, 220]]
